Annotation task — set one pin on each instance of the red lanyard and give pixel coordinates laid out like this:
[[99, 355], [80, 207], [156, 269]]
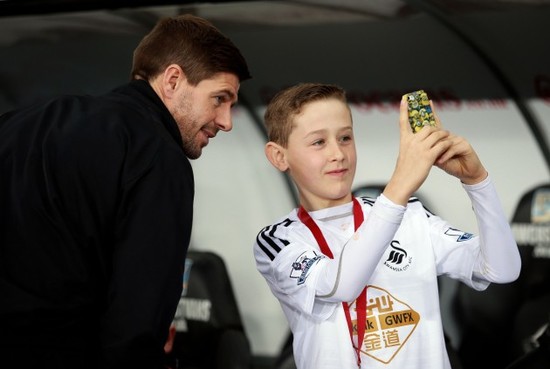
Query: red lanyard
[[361, 302]]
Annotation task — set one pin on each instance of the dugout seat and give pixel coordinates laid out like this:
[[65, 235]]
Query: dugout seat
[[503, 323], [538, 357], [209, 333]]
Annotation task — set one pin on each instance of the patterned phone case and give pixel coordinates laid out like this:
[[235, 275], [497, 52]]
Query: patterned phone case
[[420, 111]]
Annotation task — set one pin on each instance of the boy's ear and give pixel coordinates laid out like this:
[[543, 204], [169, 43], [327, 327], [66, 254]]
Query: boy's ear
[[275, 153]]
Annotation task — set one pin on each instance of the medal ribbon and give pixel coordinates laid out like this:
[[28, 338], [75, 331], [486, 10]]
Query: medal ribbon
[[361, 302]]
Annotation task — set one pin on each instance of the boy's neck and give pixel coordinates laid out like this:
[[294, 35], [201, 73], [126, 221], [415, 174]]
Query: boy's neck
[[325, 204]]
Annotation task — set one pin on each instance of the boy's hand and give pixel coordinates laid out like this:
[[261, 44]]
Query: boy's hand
[[417, 154], [460, 160]]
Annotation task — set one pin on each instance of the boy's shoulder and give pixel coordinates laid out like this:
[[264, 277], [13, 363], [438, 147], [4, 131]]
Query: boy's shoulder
[[413, 205], [416, 204], [282, 225], [366, 201], [273, 238]]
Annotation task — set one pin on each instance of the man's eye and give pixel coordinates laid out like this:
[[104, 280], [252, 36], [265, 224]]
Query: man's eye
[[220, 100]]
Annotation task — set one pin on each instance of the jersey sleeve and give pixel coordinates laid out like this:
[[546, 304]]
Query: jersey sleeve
[[455, 251], [291, 268], [498, 260], [303, 278], [477, 260]]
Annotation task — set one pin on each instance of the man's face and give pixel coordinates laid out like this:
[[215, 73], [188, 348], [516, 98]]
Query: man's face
[[202, 110]]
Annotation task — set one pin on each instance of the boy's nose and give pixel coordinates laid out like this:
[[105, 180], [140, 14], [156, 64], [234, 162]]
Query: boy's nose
[[336, 151]]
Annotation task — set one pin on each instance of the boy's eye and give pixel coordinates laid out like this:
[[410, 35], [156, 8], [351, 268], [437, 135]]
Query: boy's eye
[[346, 138], [318, 142]]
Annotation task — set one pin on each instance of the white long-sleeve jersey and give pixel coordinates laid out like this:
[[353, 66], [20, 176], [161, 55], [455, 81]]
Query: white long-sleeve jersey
[[398, 253]]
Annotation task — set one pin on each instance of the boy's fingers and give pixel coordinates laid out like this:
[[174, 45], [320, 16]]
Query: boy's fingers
[[436, 117]]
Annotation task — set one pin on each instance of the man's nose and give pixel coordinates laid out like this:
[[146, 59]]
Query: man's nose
[[224, 120]]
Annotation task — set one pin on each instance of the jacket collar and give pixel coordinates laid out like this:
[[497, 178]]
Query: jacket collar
[[144, 93]]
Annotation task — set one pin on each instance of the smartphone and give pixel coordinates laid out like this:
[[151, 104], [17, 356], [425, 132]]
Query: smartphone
[[420, 110]]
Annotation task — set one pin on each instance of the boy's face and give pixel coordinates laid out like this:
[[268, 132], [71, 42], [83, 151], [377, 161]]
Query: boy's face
[[320, 154]]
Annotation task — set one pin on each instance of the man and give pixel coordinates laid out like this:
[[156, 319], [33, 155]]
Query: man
[[96, 204]]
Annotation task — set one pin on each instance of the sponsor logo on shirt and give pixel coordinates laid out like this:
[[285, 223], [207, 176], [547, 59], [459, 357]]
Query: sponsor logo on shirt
[[301, 267], [398, 259], [389, 324]]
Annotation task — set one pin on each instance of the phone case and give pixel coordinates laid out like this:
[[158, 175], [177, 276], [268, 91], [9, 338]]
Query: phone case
[[420, 111]]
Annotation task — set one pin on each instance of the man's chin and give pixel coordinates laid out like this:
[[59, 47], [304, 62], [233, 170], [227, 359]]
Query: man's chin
[[194, 157], [193, 154]]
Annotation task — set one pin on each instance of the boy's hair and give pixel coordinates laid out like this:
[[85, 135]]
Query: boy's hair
[[191, 42], [286, 104]]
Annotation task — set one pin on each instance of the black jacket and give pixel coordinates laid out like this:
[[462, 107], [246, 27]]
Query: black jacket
[[96, 208]]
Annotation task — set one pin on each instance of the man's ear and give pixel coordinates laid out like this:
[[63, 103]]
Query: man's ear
[[276, 154], [172, 78]]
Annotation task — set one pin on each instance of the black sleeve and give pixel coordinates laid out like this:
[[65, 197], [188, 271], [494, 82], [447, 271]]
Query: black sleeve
[[152, 236]]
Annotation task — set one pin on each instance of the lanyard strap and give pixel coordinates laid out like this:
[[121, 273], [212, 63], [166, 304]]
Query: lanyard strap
[[361, 302]]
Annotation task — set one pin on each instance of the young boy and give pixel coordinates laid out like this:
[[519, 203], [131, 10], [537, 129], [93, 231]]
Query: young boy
[[349, 270]]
